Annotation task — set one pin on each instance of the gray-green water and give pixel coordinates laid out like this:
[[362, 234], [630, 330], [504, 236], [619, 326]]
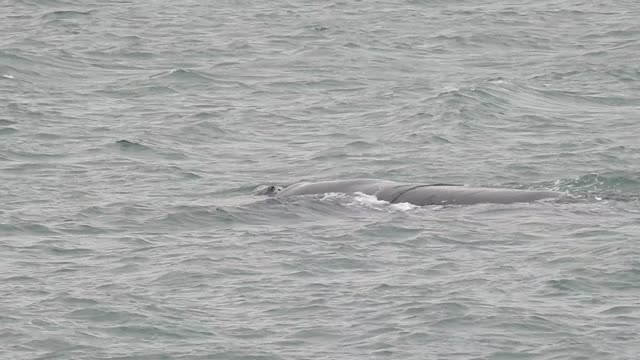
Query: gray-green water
[[133, 134]]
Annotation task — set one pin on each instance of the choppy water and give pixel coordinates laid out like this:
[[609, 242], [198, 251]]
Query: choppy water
[[133, 134]]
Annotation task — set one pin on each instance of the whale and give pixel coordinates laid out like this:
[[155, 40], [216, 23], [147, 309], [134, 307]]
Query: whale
[[416, 194]]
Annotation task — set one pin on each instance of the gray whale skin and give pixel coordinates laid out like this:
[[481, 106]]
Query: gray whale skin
[[417, 194]]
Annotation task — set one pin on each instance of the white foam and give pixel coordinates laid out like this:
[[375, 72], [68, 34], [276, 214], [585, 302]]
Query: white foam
[[405, 206], [333, 196], [362, 200], [8, 76], [372, 202], [357, 199]]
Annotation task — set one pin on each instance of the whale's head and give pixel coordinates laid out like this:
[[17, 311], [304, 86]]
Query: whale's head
[[268, 190]]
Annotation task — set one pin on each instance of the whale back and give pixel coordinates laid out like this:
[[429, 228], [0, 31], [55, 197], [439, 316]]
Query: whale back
[[463, 195], [365, 186], [425, 194]]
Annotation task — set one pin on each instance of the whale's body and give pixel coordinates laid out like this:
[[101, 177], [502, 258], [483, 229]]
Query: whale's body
[[417, 194]]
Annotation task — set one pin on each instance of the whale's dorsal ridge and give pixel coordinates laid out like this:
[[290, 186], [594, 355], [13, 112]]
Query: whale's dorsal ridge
[[417, 194]]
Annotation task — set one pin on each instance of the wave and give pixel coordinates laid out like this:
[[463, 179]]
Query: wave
[[67, 14], [136, 148]]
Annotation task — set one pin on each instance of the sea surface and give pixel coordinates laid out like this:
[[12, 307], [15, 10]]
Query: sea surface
[[134, 134]]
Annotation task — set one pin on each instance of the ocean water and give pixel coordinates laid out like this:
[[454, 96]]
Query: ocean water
[[134, 134]]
